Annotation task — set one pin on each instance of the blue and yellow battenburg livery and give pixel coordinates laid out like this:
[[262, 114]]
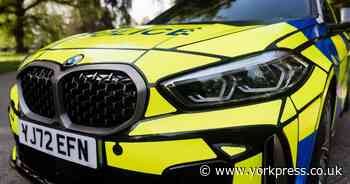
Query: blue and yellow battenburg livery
[[171, 140]]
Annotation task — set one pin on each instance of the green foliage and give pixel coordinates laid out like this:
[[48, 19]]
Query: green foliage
[[9, 66], [31, 24], [89, 18], [6, 39], [44, 27]]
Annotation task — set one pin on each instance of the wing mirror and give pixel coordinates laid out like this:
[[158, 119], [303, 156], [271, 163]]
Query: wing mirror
[[344, 24]]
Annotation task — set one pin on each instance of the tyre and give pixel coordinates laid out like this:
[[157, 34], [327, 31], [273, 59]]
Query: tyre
[[322, 148]]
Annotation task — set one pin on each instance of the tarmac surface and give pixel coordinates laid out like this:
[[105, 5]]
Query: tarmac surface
[[340, 155]]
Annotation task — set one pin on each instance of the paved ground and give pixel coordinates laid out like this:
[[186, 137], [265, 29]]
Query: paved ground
[[341, 151], [340, 155]]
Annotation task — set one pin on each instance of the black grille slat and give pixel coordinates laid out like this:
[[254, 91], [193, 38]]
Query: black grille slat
[[98, 98], [38, 90]]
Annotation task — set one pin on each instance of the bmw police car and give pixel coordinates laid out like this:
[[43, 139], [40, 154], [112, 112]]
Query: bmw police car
[[219, 83]]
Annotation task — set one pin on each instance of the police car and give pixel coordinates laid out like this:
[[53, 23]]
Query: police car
[[219, 83]]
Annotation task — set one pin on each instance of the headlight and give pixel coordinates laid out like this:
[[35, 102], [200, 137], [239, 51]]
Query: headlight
[[256, 77]]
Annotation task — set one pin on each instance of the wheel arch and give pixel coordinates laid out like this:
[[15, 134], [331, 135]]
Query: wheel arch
[[331, 86]]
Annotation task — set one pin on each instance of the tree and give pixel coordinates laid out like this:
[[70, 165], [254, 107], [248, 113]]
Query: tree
[[30, 22], [120, 7], [18, 16]]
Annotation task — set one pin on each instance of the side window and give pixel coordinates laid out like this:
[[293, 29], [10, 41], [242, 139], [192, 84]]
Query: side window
[[328, 12]]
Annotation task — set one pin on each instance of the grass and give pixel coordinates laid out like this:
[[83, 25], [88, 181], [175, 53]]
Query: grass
[[7, 56], [10, 61], [9, 66]]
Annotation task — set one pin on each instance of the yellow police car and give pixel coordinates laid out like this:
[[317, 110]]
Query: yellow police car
[[206, 85]]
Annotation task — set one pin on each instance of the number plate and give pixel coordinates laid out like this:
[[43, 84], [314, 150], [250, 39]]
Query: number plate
[[72, 147]]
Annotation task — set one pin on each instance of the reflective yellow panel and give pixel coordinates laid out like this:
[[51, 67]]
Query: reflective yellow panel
[[14, 153], [243, 42], [289, 110], [14, 95], [149, 36], [252, 162], [293, 41], [315, 55], [14, 122], [232, 150], [313, 87], [340, 46], [31, 58], [157, 105], [155, 157], [308, 119], [120, 38], [291, 131], [331, 75], [158, 64], [52, 45], [93, 55], [13, 118], [343, 76], [264, 114], [207, 32]]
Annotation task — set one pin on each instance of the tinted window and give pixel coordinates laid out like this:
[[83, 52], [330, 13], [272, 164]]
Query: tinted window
[[196, 11]]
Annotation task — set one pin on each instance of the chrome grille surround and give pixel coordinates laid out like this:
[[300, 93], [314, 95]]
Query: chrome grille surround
[[64, 119]]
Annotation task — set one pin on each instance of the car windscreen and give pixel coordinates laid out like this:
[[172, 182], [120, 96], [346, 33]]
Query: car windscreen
[[231, 11]]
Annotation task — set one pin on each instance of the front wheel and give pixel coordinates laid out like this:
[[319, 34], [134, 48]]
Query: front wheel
[[322, 149]]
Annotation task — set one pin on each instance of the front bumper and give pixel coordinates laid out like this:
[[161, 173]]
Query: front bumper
[[161, 151], [60, 171], [159, 160]]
